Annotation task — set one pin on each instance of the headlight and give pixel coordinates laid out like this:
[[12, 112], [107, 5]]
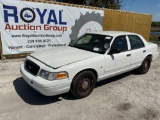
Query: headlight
[[53, 76]]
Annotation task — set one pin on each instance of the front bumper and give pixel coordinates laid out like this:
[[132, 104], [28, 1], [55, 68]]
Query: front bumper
[[45, 87]]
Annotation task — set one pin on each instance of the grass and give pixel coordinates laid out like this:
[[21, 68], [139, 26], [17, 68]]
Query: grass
[[154, 37], [155, 29]]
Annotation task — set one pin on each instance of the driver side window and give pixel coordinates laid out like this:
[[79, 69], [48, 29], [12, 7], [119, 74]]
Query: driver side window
[[120, 43], [84, 40]]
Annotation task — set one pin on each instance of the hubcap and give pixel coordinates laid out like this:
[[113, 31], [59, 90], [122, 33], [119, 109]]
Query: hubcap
[[85, 84]]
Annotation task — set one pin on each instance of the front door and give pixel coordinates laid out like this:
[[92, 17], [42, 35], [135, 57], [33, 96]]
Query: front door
[[118, 62]]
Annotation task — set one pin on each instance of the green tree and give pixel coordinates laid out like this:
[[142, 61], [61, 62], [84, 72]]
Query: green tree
[[155, 24]]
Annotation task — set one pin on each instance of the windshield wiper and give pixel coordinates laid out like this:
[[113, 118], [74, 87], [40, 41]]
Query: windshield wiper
[[79, 47]]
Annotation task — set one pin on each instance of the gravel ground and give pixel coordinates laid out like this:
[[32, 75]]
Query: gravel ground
[[125, 97]]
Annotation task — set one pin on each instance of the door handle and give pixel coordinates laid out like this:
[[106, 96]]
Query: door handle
[[128, 55], [144, 51]]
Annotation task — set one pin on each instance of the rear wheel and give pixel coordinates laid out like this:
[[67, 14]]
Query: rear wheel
[[144, 68], [83, 84]]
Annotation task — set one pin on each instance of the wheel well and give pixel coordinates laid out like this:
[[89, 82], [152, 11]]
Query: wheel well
[[150, 56], [90, 69]]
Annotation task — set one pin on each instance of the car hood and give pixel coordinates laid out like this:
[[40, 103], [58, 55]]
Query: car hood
[[61, 56]]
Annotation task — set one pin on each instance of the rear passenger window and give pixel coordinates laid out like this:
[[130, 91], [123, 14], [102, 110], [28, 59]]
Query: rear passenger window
[[135, 42], [120, 43]]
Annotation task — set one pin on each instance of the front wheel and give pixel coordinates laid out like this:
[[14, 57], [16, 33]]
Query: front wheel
[[83, 84], [143, 69]]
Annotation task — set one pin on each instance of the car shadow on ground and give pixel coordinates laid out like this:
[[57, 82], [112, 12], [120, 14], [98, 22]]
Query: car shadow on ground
[[114, 79], [31, 96]]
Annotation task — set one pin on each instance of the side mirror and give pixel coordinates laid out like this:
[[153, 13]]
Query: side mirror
[[71, 42], [114, 51]]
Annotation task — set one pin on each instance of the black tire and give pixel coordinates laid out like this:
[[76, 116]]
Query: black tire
[[83, 84], [144, 68]]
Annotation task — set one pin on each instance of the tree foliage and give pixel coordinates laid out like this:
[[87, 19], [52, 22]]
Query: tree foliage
[[111, 4], [155, 24]]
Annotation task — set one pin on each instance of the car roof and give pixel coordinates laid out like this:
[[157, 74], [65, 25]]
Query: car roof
[[112, 33]]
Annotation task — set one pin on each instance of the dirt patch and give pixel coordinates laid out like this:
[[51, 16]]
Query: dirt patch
[[150, 114], [126, 97], [124, 106]]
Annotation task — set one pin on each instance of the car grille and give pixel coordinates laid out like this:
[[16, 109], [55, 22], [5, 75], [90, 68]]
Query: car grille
[[32, 67]]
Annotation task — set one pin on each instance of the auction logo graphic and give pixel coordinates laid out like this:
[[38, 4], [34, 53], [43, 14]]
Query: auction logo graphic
[[27, 15], [83, 22], [48, 19]]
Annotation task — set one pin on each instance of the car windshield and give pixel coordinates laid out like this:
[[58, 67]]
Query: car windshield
[[92, 42]]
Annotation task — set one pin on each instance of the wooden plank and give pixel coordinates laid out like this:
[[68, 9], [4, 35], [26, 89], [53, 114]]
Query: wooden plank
[[2, 57], [66, 4], [0, 47], [16, 56], [130, 19], [108, 22], [127, 21], [147, 20]]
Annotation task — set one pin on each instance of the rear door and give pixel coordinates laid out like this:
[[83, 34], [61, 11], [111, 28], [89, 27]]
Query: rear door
[[138, 50]]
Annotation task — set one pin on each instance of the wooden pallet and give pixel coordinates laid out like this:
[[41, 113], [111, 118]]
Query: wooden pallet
[[15, 56]]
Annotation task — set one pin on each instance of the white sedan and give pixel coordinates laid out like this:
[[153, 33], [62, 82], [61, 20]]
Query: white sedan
[[93, 57]]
